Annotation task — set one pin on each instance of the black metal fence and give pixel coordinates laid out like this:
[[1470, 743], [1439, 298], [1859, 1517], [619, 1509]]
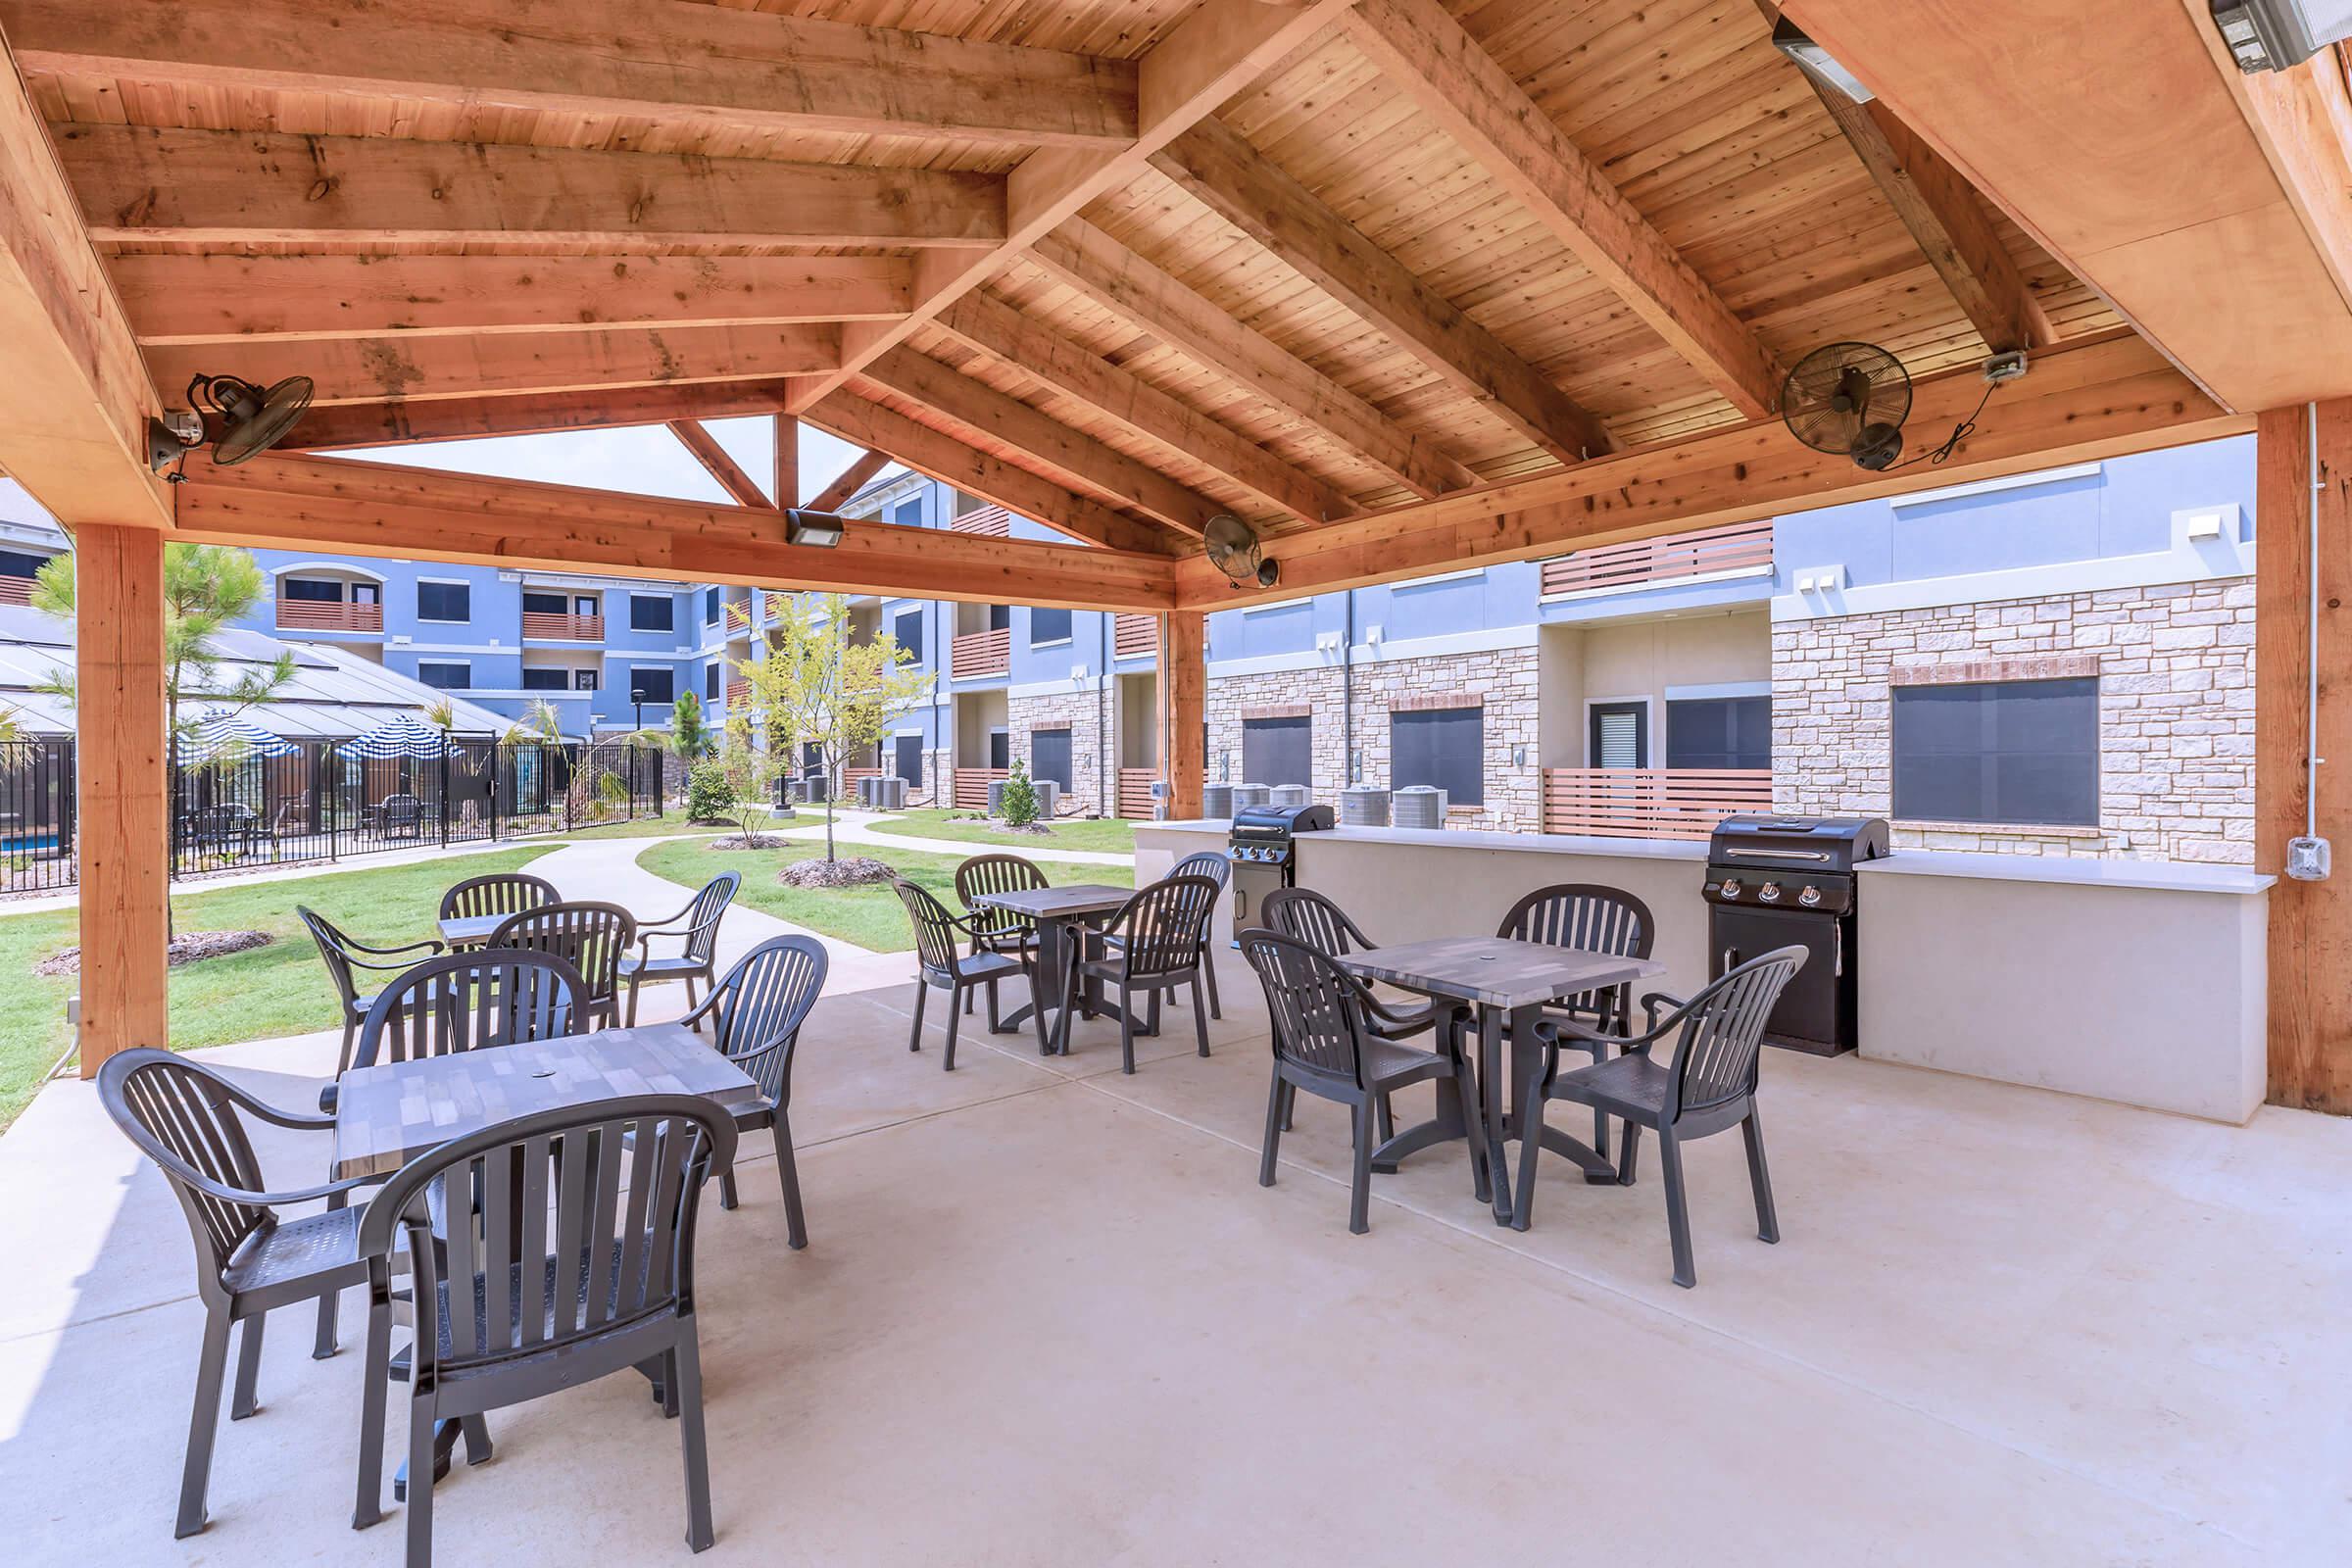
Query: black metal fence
[[318, 805]]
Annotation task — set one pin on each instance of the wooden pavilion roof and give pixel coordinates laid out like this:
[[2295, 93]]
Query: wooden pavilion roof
[[1399, 281]]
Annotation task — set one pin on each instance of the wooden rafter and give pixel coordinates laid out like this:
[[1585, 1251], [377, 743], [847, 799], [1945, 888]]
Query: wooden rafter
[[852, 478], [1219, 168], [75, 399], [649, 59], [2084, 401], [1942, 213], [1417, 44], [400, 422], [1068, 453], [1114, 277], [1077, 371], [785, 470], [892, 435], [223, 188], [373, 370], [1218, 50], [228, 298], [706, 450], [368, 508]]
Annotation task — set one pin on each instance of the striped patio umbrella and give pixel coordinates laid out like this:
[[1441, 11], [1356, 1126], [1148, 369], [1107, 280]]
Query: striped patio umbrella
[[404, 736], [218, 732]]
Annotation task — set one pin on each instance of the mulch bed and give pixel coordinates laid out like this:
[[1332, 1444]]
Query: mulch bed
[[848, 871], [189, 947], [738, 841]]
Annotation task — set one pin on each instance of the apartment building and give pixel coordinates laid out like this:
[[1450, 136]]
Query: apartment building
[[2059, 663]]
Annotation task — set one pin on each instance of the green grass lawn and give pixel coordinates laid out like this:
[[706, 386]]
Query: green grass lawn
[[1109, 834], [651, 828], [871, 916], [280, 989]]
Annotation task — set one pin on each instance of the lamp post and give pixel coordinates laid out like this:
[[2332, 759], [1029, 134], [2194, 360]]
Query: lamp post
[[637, 699]]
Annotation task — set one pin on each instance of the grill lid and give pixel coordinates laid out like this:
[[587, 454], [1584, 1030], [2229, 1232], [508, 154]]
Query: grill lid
[[1807, 842], [1261, 823]]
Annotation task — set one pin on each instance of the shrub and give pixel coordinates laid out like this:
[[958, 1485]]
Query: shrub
[[1018, 804], [708, 794]]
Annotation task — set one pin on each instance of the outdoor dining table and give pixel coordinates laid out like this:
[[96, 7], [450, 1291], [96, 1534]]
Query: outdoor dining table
[[1064, 916], [1507, 982], [470, 930]]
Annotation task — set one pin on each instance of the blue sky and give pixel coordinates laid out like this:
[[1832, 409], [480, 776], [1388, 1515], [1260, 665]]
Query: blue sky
[[637, 459]]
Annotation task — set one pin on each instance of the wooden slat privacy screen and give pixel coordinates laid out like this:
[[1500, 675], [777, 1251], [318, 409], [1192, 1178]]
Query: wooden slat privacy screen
[[1739, 546], [1649, 803]]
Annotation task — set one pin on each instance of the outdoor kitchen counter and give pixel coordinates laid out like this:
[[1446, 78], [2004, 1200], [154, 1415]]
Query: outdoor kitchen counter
[[2137, 981]]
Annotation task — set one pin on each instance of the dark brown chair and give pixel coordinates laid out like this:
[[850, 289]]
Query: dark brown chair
[[1324, 1044], [943, 964], [996, 930], [1590, 918], [501, 893], [1306, 916], [1155, 945], [1708, 1087], [1217, 866], [189, 1120], [698, 954], [592, 938], [563, 1252], [345, 958], [756, 1016]]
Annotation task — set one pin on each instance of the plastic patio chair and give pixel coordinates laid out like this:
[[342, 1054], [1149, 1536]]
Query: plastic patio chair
[[698, 957], [755, 1014]]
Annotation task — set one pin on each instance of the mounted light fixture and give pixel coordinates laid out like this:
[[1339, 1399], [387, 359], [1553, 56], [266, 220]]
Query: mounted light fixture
[[1793, 40], [2280, 34], [819, 530]]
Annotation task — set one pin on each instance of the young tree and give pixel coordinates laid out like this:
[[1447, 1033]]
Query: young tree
[[754, 773], [690, 733], [817, 687], [1018, 805], [205, 588]]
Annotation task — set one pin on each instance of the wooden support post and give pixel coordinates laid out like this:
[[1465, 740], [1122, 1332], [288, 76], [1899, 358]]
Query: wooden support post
[[123, 830], [1183, 698], [787, 489], [2311, 922]]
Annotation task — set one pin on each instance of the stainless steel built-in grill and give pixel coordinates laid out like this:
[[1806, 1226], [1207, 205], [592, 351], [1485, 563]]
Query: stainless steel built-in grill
[[1789, 881], [1264, 856]]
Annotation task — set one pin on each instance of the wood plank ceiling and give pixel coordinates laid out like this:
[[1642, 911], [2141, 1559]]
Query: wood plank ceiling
[[1121, 267]]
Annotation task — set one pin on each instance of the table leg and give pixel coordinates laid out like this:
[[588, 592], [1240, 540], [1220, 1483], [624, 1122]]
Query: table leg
[[1490, 1085], [1445, 1126]]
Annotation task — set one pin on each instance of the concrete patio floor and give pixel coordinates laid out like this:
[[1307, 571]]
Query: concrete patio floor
[[1048, 1317]]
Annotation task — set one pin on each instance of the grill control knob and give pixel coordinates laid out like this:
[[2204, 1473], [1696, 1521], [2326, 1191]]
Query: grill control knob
[[1769, 893], [1810, 898], [1731, 887]]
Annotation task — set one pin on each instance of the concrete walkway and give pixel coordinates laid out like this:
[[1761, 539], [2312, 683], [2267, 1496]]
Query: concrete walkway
[[857, 827]]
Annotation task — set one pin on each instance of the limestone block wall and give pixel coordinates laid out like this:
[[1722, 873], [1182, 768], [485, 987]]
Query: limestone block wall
[[1080, 711], [2175, 669]]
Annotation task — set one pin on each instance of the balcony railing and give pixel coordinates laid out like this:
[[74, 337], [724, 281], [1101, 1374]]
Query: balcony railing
[[981, 653], [739, 614], [560, 627], [739, 693], [16, 590], [1135, 636], [971, 787], [1650, 803], [993, 522], [1134, 791], [1712, 552], [328, 614]]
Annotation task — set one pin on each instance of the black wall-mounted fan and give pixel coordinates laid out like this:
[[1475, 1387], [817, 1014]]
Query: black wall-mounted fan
[[1233, 548], [1849, 399], [251, 420]]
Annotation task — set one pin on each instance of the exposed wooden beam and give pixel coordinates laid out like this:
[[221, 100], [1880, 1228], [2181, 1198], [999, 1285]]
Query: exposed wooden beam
[[175, 298], [1184, 704], [221, 189], [1042, 438], [785, 472], [2083, 400], [399, 423], [1418, 45], [2303, 120], [1114, 277], [1220, 48], [674, 64], [1219, 168], [334, 505], [123, 789], [856, 475], [373, 370], [2118, 143], [740, 486], [74, 399], [1943, 213], [1077, 371], [892, 435]]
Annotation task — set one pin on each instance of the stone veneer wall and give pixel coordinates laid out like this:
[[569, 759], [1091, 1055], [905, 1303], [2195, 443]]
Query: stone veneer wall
[[2176, 668], [1077, 711], [1501, 681]]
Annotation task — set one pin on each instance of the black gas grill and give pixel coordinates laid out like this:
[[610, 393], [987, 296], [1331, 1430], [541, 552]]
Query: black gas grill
[[1264, 856], [1789, 881]]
